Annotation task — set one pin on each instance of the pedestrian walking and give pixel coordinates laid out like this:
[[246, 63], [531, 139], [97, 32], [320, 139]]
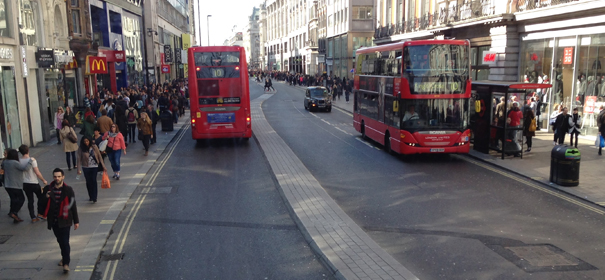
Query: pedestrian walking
[[69, 147], [529, 126], [13, 181], [88, 127], [89, 162], [558, 109], [70, 116], [115, 147], [575, 120], [31, 186], [562, 125], [132, 116], [153, 115], [144, 125], [601, 125], [58, 121], [104, 122], [61, 212]]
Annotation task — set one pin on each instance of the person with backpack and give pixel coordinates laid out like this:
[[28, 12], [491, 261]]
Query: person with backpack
[[131, 116], [529, 127]]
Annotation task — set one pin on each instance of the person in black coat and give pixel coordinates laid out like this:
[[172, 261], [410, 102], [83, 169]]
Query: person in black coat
[[61, 212], [153, 115], [562, 125]]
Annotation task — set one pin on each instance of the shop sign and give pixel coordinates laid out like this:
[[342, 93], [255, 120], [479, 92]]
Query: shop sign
[[165, 68], [167, 54], [24, 61], [184, 56], [186, 41], [113, 56], [96, 65], [590, 104], [568, 55], [6, 53], [63, 57], [177, 55], [45, 58], [490, 58]]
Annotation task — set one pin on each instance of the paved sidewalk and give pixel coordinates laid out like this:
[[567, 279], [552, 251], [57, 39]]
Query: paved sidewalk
[[342, 245], [30, 251]]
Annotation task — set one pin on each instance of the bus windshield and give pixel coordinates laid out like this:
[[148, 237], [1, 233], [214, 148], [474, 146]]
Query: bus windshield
[[436, 69], [432, 114], [216, 58]]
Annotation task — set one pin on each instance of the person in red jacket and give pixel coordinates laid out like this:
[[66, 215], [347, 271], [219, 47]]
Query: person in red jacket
[[61, 212]]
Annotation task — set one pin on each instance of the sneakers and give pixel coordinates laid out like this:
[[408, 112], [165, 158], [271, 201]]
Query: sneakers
[[65, 268]]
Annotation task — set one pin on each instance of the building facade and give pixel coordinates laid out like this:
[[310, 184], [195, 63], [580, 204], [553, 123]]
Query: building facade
[[251, 40], [546, 41]]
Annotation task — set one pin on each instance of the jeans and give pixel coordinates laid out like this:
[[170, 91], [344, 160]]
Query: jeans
[[153, 140], [132, 128], [114, 159], [175, 114], [73, 158], [30, 190], [62, 235], [90, 173], [571, 136], [146, 139], [17, 199]]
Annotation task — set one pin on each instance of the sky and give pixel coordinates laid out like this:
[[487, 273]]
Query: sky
[[225, 14]]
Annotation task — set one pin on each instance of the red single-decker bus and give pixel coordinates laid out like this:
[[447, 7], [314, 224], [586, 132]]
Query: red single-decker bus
[[219, 92]]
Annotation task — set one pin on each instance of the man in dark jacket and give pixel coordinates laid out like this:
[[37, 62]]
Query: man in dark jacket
[[562, 125], [61, 212]]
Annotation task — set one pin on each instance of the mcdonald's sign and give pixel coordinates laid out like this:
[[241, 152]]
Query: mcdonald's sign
[[96, 65]]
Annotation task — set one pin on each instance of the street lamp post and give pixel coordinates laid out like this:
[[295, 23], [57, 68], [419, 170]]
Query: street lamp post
[[208, 24]]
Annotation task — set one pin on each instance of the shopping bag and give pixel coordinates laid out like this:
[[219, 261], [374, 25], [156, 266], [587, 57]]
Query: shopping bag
[[105, 184], [602, 141]]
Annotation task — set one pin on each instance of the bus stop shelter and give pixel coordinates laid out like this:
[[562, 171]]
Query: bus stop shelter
[[497, 119]]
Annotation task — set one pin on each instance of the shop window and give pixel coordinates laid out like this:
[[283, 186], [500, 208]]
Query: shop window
[[9, 115], [479, 71], [536, 67], [4, 22]]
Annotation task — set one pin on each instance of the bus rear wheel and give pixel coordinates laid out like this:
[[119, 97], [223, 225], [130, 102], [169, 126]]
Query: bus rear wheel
[[363, 130], [387, 143]]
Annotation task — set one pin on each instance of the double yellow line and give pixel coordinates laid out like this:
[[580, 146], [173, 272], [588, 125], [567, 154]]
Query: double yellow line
[[536, 186], [121, 240]]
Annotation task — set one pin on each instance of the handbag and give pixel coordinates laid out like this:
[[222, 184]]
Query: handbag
[[532, 125], [602, 141], [72, 136], [105, 184]]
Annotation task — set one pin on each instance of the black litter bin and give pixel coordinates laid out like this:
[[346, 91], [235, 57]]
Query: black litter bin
[[167, 121], [565, 166]]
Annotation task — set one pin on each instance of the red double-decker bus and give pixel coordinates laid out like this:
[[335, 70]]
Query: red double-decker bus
[[219, 92], [413, 97]]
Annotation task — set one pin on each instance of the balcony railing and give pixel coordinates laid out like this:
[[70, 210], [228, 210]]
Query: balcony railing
[[443, 17], [526, 5]]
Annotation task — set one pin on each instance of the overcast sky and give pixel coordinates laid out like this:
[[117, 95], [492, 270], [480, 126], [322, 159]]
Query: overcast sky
[[225, 14]]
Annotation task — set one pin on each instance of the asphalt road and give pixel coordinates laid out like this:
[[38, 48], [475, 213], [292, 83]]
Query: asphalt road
[[211, 212], [443, 217]]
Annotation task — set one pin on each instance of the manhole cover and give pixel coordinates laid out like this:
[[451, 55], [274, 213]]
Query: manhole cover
[[541, 256], [4, 238]]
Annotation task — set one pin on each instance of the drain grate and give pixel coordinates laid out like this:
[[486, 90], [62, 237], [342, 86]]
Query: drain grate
[[114, 257], [541, 258], [4, 238]]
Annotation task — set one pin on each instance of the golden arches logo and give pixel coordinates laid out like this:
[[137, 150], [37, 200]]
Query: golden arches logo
[[96, 65]]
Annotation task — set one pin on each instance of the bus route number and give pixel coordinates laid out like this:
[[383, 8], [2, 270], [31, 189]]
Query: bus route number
[[218, 72]]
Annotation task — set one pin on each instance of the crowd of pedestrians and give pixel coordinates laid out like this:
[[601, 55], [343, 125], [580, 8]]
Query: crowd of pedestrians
[[108, 123], [335, 85]]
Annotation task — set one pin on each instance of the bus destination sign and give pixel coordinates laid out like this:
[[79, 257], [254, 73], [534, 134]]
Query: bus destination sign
[[219, 100], [442, 87]]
